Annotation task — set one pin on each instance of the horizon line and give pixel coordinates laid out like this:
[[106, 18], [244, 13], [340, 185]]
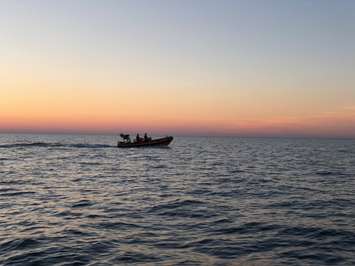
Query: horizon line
[[175, 134]]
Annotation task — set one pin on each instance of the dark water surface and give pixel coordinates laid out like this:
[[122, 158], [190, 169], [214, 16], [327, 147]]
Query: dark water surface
[[76, 200]]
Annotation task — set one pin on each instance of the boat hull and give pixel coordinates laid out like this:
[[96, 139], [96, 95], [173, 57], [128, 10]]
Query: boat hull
[[161, 142]]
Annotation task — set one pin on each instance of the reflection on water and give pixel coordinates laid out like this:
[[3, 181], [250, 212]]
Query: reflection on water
[[78, 200]]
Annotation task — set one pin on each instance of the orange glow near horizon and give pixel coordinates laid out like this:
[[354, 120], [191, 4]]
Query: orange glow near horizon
[[337, 124], [35, 105]]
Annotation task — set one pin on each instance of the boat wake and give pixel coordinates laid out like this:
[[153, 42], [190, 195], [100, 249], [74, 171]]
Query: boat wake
[[54, 145]]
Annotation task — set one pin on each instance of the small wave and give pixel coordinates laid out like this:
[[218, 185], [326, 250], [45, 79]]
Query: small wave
[[6, 189], [332, 173], [31, 144], [176, 204], [160, 166], [184, 209], [17, 244], [134, 257], [89, 163], [325, 173], [19, 193], [235, 171], [93, 146], [248, 228], [107, 225], [82, 203], [47, 256], [344, 150], [78, 233], [54, 145]]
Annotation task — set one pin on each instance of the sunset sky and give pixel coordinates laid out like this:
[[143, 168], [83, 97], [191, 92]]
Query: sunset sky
[[244, 68]]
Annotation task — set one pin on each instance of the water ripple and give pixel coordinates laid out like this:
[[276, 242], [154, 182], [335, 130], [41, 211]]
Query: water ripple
[[77, 200]]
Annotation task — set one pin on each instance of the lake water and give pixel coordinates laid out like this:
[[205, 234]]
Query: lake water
[[78, 200]]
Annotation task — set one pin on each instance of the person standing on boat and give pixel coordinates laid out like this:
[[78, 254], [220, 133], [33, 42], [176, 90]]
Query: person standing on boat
[[138, 138], [145, 137], [125, 137]]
